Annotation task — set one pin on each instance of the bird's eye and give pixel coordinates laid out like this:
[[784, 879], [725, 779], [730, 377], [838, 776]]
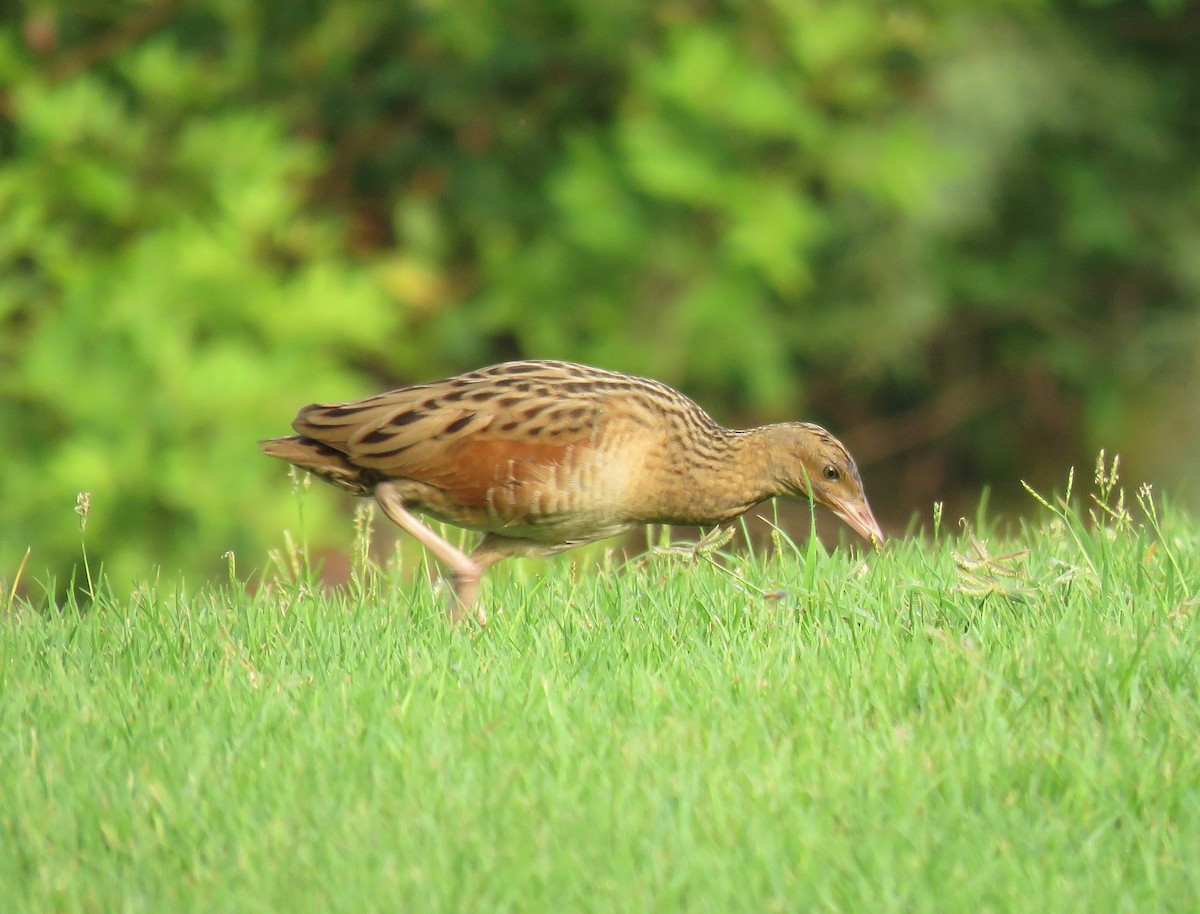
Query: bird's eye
[[831, 473]]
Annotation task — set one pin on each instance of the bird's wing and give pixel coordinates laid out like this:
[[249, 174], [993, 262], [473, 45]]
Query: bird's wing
[[463, 437]]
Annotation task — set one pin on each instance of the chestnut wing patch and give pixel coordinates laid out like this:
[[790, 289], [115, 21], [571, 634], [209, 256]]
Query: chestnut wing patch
[[510, 478], [501, 452]]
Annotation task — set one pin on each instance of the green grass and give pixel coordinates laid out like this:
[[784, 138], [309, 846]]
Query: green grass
[[968, 724]]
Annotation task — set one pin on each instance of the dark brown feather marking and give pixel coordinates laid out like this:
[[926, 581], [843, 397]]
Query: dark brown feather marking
[[393, 452], [405, 418], [459, 424], [376, 437]]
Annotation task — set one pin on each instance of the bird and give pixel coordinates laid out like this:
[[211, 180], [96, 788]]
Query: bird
[[540, 456]]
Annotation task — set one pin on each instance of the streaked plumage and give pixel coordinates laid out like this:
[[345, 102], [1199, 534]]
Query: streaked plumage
[[541, 456]]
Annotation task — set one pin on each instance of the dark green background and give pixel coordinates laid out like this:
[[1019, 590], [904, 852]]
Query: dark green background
[[964, 235]]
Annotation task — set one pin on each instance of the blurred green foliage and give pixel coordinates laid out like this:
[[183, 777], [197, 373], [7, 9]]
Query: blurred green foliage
[[966, 235]]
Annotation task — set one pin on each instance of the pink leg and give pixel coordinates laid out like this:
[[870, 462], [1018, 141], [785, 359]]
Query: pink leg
[[465, 572]]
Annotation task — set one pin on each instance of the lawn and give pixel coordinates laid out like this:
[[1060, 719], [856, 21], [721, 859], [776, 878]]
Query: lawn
[[960, 722]]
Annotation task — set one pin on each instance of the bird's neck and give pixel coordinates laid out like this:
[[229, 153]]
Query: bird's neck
[[716, 475]]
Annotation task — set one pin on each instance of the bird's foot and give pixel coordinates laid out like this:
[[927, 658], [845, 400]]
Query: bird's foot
[[711, 542], [464, 601]]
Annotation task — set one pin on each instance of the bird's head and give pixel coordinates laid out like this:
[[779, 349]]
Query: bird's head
[[811, 462]]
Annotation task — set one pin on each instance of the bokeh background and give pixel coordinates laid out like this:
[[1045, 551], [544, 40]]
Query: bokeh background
[[964, 234]]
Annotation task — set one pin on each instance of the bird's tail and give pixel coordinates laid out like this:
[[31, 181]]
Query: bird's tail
[[321, 460]]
